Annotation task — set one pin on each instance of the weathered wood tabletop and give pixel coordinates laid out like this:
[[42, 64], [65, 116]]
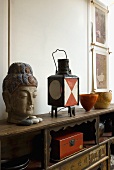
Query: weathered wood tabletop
[[8, 129], [18, 140]]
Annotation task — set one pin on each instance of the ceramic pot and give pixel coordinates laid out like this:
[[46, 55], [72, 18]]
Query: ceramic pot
[[104, 100], [88, 100], [20, 163]]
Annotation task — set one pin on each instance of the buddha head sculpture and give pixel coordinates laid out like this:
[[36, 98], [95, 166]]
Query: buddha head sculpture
[[19, 92]]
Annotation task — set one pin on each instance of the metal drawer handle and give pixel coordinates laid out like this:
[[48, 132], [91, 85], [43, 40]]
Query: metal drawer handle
[[72, 142]]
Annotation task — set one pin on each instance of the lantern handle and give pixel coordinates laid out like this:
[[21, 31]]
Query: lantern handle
[[54, 58]]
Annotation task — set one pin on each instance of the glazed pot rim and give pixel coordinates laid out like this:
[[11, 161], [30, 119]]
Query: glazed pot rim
[[88, 94], [103, 92]]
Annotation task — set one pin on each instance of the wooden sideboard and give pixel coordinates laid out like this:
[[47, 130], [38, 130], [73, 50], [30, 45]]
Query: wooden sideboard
[[35, 140]]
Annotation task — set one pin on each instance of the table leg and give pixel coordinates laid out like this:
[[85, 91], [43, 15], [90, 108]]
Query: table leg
[[45, 161], [0, 155]]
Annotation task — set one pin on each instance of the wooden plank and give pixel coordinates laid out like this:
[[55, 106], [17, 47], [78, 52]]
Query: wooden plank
[[17, 140], [0, 155], [97, 163], [79, 163], [8, 129], [17, 146]]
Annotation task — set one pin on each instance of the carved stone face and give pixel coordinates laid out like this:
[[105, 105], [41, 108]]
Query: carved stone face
[[23, 100], [19, 92], [20, 104]]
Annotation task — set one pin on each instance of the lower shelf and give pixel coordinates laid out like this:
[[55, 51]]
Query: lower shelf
[[103, 160], [90, 158], [33, 165]]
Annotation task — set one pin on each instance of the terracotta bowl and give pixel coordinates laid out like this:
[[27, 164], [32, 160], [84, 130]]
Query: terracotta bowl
[[104, 100], [88, 100]]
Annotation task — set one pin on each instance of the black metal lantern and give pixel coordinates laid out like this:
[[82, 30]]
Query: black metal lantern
[[63, 87]]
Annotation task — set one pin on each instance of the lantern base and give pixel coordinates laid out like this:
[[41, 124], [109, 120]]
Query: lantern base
[[71, 111]]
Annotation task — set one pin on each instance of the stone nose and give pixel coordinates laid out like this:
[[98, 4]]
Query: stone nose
[[30, 100]]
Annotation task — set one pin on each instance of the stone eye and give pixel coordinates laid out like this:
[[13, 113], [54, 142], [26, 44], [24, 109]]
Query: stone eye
[[23, 95]]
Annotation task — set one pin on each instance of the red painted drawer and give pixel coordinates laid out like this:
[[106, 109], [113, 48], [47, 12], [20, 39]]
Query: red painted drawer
[[65, 145]]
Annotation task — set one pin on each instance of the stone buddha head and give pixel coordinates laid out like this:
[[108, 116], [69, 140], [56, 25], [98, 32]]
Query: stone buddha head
[[19, 92]]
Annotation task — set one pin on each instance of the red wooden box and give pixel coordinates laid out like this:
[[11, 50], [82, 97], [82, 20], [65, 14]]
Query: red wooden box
[[66, 145]]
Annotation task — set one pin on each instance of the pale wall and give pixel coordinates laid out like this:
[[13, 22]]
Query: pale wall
[[3, 51], [111, 47], [38, 28]]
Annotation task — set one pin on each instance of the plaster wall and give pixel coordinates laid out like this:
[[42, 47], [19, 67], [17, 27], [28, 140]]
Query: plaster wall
[[38, 28], [111, 47], [3, 50]]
